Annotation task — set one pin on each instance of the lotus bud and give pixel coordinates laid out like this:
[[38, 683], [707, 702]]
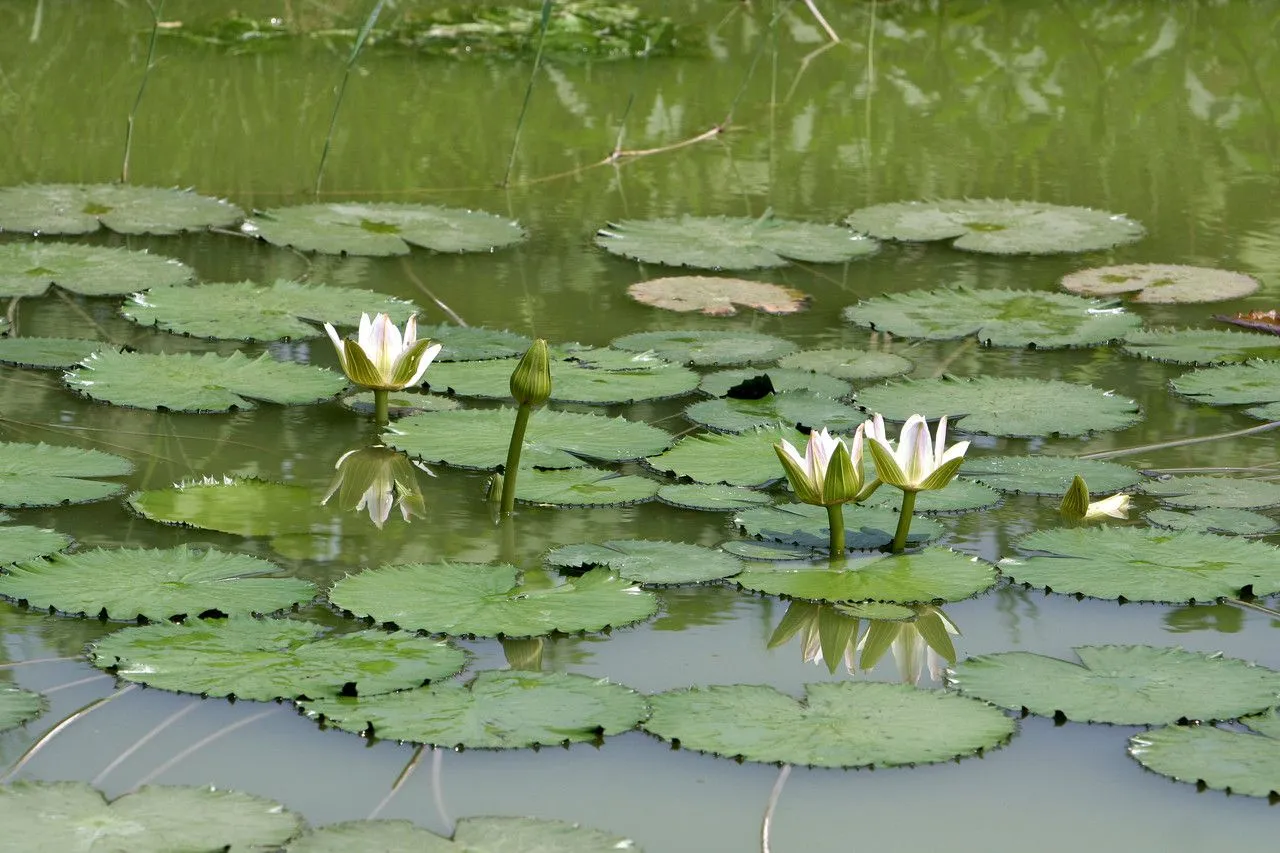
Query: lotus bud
[[1075, 503], [531, 380]]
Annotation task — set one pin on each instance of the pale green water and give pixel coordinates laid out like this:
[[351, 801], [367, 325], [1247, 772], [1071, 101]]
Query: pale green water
[[1166, 114]]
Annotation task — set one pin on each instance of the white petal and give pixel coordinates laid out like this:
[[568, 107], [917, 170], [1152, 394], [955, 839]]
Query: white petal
[[428, 356], [337, 344]]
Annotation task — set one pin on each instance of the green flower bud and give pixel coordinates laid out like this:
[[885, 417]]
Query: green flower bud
[[531, 380], [1075, 503]]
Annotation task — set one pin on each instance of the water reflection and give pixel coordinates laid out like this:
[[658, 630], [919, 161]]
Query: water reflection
[[378, 479]]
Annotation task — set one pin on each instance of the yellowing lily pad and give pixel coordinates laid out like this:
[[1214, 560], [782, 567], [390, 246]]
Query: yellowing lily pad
[[717, 297], [1161, 283]]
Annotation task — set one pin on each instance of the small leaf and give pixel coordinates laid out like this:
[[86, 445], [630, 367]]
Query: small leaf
[[47, 352], [708, 348], [847, 363], [650, 562], [125, 208], [706, 498], [1236, 762], [717, 297], [1234, 385], [1161, 283]]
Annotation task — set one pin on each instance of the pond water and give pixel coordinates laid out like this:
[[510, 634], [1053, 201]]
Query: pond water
[[1164, 113]]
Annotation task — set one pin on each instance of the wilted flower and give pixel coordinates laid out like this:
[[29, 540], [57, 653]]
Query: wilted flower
[[1076, 505], [376, 479], [380, 358], [916, 464], [829, 473]]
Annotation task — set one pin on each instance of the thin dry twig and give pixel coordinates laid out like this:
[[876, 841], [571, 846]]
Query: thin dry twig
[[1181, 442]]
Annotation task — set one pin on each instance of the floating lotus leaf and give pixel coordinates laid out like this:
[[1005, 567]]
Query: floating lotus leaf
[[1141, 564], [719, 383], [1216, 492], [48, 475], [998, 226], [1001, 318], [708, 498], [865, 527], [243, 507], [478, 439], [747, 459], [716, 296], [252, 312], [200, 383], [1049, 475], [837, 724], [46, 352], [496, 710], [648, 561], [959, 496], [473, 343], [1235, 522], [583, 487], [1124, 685], [266, 659], [708, 348], [18, 706], [18, 544], [155, 584], [801, 408], [352, 228], [470, 835], [847, 363], [1232, 761], [124, 208], [931, 575], [750, 549], [1200, 346], [732, 243], [571, 381], [71, 817], [1235, 385], [487, 599], [1163, 283], [991, 405], [28, 269]]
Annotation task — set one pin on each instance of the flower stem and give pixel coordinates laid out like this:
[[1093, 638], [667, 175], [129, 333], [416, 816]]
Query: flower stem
[[513, 458], [904, 522], [835, 523], [380, 416]]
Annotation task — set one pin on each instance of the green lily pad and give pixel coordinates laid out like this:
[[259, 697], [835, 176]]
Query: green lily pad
[[750, 549], [1161, 283], [124, 208], [252, 312], [1215, 492], [200, 383], [18, 706], [154, 584], [1001, 318], [717, 296], [48, 475], [708, 348], [478, 439], [1141, 564], [266, 659], [19, 543], [865, 527], [487, 600], [583, 487], [244, 507], [747, 459], [1124, 685], [401, 404], [847, 363], [802, 408], [782, 379], [1049, 475], [711, 498], [1235, 522], [1201, 346], [470, 835], [1235, 385], [496, 710], [571, 381], [990, 405], [732, 243], [649, 561], [72, 817], [353, 228], [1232, 761], [934, 574], [958, 496], [47, 352], [837, 724], [998, 226], [28, 269], [473, 343]]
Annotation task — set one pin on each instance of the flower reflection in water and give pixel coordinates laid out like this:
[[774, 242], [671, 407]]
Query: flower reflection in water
[[378, 479]]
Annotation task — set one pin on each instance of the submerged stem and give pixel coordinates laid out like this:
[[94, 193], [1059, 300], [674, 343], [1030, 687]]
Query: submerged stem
[[904, 522], [513, 459], [835, 524], [380, 416]]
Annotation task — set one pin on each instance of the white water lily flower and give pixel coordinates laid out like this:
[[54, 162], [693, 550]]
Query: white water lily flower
[[1116, 506], [917, 464], [1076, 505], [380, 358], [829, 473], [377, 479]]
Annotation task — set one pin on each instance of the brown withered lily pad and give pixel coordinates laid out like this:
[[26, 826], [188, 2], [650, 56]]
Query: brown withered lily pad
[[1263, 321], [716, 296], [1165, 283]]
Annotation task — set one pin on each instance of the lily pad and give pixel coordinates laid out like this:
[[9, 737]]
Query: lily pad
[[20, 543], [721, 382], [1235, 522], [750, 549], [931, 575], [998, 226], [848, 363], [1141, 564], [1161, 283], [28, 269], [72, 817], [496, 710], [583, 487], [649, 561], [401, 404], [266, 659], [352, 228], [154, 584], [804, 409], [571, 381], [473, 343], [708, 348], [48, 475], [251, 312], [470, 835], [488, 600], [959, 496], [200, 383], [1049, 475], [1235, 385], [1232, 761], [124, 208], [1216, 492], [1201, 346], [18, 706], [1124, 685], [865, 527], [837, 724], [244, 507], [716, 296], [732, 243], [478, 439], [747, 459], [990, 405], [708, 498], [47, 352], [1001, 318]]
